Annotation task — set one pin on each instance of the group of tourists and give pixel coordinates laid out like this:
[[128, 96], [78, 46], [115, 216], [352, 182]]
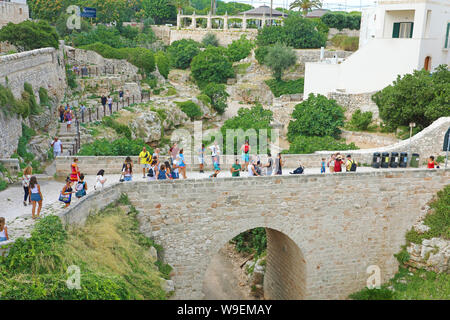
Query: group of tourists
[[337, 163], [66, 115]]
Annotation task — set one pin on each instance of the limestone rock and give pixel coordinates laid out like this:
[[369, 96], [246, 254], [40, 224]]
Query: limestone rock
[[153, 253], [432, 254], [167, 285], [146, 126]]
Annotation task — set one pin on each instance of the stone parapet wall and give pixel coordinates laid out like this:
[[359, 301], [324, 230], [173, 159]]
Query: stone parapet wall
[[368, 138], [313, 55], [10, 132]]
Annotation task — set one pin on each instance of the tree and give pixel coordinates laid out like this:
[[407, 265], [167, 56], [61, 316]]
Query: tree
[[420, 97], [159, 10], [179, 4], [29, 35], [218, 95], [182, 52], [163, 63], [305, 5], [239, 49], [210, 39], [279, 58], [256, 118], [211, 65], [316, 116]]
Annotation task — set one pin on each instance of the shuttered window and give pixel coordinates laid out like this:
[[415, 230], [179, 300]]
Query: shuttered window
[[447, 36], [403, 30]]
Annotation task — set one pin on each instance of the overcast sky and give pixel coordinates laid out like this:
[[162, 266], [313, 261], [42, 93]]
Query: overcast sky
[[350, 5]]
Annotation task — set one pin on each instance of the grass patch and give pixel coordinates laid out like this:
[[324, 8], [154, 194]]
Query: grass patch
[[241, 68], [280, 87], [112, 255]]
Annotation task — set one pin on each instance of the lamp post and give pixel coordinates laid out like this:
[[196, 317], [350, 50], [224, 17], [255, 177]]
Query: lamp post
[[411, 126]]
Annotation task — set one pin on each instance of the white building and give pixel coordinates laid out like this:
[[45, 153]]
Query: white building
[[14, 11], [396, 37]]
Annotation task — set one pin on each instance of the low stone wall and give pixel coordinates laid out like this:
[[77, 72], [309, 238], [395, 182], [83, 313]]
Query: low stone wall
[[313, 55], [352, 102], [12, 165], [367, 138], [348, 32], [224, 37]]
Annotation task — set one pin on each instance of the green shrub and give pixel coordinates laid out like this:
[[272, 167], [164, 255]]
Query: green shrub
[[119, 128], [239, 49], [251, 241], [3, 185], [30, 35], [260, 54], [305, 144], [345, 42], [71, 77], [254, 119], [191, 109], [205, 99], [218, 96], [372, 294], [211, 65], [280, 87], [297, 32], [43, 97], [118, 147], [341, 20], [420, 97], [182, 52], [360, 120], [210, 39], [171, 91], [316, 116], [163, 64], [28, 94]]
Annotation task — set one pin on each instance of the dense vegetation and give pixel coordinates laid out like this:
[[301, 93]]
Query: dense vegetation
[[118, 147], [182, 52], [418, 284], [297, 32], [217, 94], [247, 124], [210, 39], [36, 268], [280, 87], [341, 20], [29, 35], [191, 109], [163, 63], [251, 241], [239, 49], [316, 116], [420, 97], [25, 106], [140, 57], [211, 65], [360, 121]]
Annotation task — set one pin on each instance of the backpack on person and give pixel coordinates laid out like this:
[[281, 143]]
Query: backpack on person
[[353, 166], [299, 170], [81, 191], [150, 173]]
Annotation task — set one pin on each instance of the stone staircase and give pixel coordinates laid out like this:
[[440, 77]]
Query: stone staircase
[[68, 138]]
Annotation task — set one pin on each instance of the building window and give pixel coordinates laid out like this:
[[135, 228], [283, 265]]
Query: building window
[[403, 30], [447, 37]]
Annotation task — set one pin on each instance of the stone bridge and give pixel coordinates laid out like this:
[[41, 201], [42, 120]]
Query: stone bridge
[[323, 231]]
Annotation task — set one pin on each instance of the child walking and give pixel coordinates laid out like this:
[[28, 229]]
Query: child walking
[[81, 187], [322, 166]]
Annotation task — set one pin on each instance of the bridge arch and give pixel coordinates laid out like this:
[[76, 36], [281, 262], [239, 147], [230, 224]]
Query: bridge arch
[[286, 268]]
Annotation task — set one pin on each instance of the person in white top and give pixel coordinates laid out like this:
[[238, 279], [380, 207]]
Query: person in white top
[[100, 180], [57, 147], [27, 173], [251, 169], [110, 101], [215, 152]]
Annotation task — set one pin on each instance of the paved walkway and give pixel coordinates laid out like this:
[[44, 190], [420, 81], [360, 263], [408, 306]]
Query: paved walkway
[[18, 216]]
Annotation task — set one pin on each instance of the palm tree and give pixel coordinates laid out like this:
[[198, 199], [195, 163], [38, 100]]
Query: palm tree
[[179, 4], [305, 5]]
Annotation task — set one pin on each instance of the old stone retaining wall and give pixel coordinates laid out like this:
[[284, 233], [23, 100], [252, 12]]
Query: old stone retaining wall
[[336, 235], [348, 32], [352, 102], [224, 37]]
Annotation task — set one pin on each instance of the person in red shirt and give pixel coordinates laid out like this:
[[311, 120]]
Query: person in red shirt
[[338, 164], [432, 163]]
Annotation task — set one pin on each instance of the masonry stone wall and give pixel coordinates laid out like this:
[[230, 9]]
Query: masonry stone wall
[[41, 68], [13, 12], [10, 132], [224, 37], [368, 138], [352, 102], [348, 32], [337, 232]]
